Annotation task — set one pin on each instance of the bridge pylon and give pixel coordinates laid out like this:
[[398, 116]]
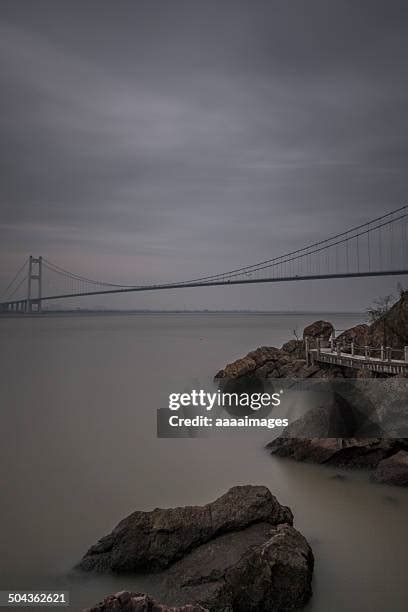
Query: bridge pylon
[[34, 289]]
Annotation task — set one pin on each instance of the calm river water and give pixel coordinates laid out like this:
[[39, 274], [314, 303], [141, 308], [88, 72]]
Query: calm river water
[[79, 452]]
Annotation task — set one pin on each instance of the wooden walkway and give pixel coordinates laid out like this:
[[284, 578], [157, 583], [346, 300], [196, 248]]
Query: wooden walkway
[[359, 362]]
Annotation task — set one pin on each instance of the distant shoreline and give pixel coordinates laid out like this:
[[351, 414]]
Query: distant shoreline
[[78, 312]]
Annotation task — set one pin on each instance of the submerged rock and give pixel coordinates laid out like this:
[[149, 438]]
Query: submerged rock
[[128, 601], [341, 452], [393, 470], [153, 540]]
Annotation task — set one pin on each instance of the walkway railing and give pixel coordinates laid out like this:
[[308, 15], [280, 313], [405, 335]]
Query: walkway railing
[[383, 359]]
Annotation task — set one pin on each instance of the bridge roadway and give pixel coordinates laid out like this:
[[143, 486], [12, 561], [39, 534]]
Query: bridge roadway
[[361, 362], [20, 305]]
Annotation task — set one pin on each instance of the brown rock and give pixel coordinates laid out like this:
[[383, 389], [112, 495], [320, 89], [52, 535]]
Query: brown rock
[[252, 361], [359, 334], [295, 348], [319, 329]]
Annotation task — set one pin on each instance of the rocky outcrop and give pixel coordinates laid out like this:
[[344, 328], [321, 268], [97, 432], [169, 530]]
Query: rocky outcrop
[[128, 601], [392, 328], [267, 363], [394, 469], [289, 361], [371, 411], [266, 569], [153, 540]]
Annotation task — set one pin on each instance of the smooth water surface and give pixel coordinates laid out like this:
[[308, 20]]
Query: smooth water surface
[[79, 452]]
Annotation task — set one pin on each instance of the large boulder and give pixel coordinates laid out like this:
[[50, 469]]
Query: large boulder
[[153, 540], [393, 470], [251, 362], [128, 601], [262, 570], [319, 329], [359, 334]]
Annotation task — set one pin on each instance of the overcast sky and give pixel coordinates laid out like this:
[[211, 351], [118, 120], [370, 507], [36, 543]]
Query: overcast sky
[[159, 140]]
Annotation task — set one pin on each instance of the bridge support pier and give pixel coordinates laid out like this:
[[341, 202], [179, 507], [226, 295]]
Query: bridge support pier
[[34, 275], [406, 354], [33, 306]]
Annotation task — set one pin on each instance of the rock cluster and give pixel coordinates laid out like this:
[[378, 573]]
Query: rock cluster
[[239, 553], [268, 362], [367, 453]]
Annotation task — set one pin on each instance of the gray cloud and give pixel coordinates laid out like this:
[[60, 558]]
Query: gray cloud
[[159, 141]]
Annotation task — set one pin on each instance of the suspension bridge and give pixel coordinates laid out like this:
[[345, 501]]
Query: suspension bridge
[[376, 248]]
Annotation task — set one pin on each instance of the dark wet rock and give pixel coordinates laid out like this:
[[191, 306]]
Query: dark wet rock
[[262, 569], [153, 540], [393, 470], [319, 329], [341, 452], [389, 401], [128, 601]]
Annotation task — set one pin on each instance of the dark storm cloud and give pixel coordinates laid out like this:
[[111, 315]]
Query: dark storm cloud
[[174, 138]]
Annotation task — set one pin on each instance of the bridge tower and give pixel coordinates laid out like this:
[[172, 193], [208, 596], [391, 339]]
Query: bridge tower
[[33, 303]]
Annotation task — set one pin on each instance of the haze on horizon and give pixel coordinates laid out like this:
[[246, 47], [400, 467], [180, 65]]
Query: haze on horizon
[[152, 141]]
